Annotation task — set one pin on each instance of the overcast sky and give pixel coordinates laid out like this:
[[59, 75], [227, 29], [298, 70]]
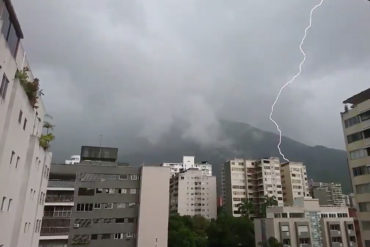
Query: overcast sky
[[125, 68]]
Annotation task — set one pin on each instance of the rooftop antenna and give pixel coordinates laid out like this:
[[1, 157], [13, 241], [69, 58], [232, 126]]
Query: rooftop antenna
[[100, 144]]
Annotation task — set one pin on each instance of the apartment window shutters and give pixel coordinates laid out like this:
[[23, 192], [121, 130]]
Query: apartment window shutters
[[4, 87]]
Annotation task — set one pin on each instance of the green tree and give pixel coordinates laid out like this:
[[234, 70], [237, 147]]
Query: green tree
[[271, 242], [247, 209], [228, 231], [268, 202], [186, 231]]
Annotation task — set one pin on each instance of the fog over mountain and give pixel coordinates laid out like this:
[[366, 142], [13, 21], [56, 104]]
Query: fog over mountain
[[137, 70]]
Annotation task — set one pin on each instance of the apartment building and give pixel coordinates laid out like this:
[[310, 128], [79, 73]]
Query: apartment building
[[187, 163], [294, 181], [24, 164], [356, 129], [250, 180], [329, 194], [117, 204], [305, 224], [58, 208], [193, 193]]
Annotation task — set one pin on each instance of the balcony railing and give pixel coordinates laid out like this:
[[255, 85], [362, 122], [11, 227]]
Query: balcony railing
[[60, 183], [62, 214], [48, 231], [59, 198]]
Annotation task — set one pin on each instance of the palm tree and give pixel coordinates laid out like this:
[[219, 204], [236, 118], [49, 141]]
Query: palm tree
[[246, 208], [268, 202]]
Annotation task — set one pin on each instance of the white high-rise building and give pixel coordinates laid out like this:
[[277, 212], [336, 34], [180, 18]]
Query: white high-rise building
[[24, 164], [187, 163], [193, 193], [252, 180], [294, 181]]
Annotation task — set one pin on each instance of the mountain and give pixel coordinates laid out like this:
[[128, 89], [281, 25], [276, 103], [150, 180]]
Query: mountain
[[244, 141]]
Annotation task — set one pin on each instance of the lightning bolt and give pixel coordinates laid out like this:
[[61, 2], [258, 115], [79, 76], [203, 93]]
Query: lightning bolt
[[293, 78]]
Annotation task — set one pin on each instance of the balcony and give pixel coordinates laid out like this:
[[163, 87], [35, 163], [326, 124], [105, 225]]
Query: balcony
[[336, 244], [51, 231], [335, 233], [59, 198], [61, 184], [58, 214]]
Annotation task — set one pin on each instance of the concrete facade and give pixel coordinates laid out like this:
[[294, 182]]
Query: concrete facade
[[193, 193], [356, 129], [24, 164], [329, 194], [294, 181], [306, 224], [118, 205], [250, 180], [58, 206]]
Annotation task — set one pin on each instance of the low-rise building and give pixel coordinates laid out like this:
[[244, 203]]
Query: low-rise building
[[193, 193], [305, 224]]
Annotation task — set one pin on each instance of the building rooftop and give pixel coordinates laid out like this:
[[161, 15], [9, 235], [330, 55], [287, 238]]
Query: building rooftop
[[358, 98]]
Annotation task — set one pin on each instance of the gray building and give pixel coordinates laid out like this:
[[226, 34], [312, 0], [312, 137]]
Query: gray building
[[117, 204], [328, 193]]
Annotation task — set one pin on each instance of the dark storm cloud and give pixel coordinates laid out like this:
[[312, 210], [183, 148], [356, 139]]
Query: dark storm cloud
[[129, 69]]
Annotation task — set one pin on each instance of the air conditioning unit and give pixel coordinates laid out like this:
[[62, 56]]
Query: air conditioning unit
[[76, 225]]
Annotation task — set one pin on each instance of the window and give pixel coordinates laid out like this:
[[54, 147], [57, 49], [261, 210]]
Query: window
[[132, 204], [105, 236], [86, 192], [16, 163], [358, 154], [94, 236], [107, 205], [132, 191], [361, 170], [123, 177], [4, 87], [121, 205], [20, 117], [84, 207], [133, 177], [122, 191], [11, 157], [364, 206], [9, 204], [3, 203], [98, 191], [9, 32], [118, 236], [120, 220], [285, 228], [335, 227], [354, 137], [97, 206], [25, 124], [351, 121], [363, 188], [365, 116]]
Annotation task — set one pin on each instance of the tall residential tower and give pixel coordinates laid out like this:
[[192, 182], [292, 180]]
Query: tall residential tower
[[356, 128]]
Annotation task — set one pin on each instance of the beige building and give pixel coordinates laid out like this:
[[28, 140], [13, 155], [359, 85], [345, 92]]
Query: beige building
[[294, 181], [306, 224], [250, 180], [24, 164], [193, 193], [356, 128]]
